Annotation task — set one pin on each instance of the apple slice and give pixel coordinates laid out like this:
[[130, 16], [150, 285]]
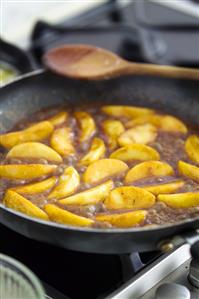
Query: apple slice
[[163, 122], [141, 120], [164, 188], [97, 151], [58, 118], [87, 125], [27, 171], [36, 187], [148, 169], [102, 169], [192, 148], [188, 170], [123, 220], [170, 124], [180, 200], [61, 141], [135, 152], [62, 216], [113, 129], [128, 197], [19, 203], [67, 184], [142, 134], [36, 132], [90, 196], [34, 150], [126, 111]]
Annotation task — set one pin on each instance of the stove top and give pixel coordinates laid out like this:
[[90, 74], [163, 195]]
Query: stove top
[[160, 32], [161, 279], [143, 31], [138, 33], [74, 274]]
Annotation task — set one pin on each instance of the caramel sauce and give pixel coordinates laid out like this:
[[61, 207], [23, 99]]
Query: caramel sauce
[[169, 145]]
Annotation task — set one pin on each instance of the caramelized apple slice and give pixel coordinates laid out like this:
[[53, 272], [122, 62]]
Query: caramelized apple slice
[[142, 134], [62, 216], [67, 185], [163, 122], [28, 171], [188, 170], [36, 132], [192, 148], [123, 220], [87, 125], [61, 141], [140, 120], [102, 169], [129, 197], [113, 129], [180, 200], [135, 152], [36, 187], [148, 169], [59, 118], [126, 111], [34, 150], [170, 123], [19, 203], [90, 196], [165, 188], [97, 151]]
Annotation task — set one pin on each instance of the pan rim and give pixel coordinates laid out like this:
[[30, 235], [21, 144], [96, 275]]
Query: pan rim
[[23, 76], [98, 230]]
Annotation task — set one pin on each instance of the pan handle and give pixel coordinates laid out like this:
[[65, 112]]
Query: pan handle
[[190, 237]]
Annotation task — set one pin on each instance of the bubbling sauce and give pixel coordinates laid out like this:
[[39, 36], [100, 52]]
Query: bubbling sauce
[[102, 149]]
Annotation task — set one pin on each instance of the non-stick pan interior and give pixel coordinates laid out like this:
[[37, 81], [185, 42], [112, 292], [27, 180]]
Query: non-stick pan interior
[[23, 97], [43, 89]]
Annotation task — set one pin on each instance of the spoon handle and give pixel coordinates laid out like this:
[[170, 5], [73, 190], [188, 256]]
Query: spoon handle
[[160, 70]]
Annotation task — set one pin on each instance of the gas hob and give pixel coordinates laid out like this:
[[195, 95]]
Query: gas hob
[[72, 275], [164, 277]]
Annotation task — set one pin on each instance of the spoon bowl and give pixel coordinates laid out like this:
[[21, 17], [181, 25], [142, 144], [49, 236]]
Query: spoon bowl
[[82, 61]]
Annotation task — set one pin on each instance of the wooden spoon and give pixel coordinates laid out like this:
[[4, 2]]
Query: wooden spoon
[[89, 62]]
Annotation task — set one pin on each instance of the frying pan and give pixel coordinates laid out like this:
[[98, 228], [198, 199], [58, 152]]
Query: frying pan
[[15, 57], [42, 89]]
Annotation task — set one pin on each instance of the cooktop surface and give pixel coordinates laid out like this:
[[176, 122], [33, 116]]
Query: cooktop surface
[[74, 274]]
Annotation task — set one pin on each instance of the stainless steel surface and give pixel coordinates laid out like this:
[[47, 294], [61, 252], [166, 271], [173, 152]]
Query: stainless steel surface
[[186, 6], [178, 276], [172, 267], [172, 290]]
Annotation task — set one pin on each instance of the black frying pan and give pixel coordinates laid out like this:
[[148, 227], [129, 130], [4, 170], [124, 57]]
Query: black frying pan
[[15, 57], [42, 89]]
